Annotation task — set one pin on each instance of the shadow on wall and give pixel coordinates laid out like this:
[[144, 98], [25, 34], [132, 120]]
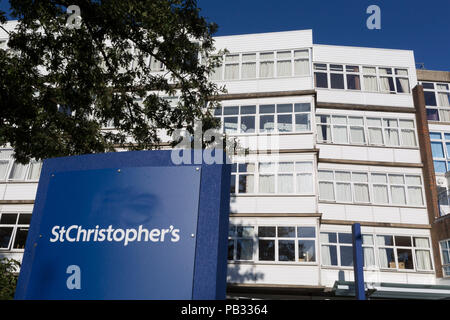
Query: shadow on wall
[[240, 273]]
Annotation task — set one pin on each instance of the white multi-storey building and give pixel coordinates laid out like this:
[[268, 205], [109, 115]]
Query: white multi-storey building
[[330, 137]]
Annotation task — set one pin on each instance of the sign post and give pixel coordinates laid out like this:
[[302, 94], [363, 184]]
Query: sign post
[[127, 225]]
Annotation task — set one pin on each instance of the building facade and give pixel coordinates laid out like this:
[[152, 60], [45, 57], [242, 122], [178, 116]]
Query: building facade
[[329, 136]]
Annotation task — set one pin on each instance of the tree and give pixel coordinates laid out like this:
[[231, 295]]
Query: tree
[[8, 278], [60, 83]]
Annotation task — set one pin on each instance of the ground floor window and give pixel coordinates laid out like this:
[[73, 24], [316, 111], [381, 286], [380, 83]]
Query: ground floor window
[[445, 251], [14, 230]]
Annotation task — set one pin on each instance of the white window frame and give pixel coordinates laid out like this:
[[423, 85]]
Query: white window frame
[[15, 227]]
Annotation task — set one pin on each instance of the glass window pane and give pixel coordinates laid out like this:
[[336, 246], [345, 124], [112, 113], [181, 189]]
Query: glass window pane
[[432, 114], [284, 54], [430, 98], [361, 192], [266, 232], [248, 124], [343, 192], [329, 255], [320, 66], [266, 123], [328, 237], [398, 195], [285, 167], [5, 237], [285, 183], [346, 256], [302, 122], [396, 179], [359, 177], [413, 180], [248, 70], [21, 238], [378, 178], [266, 55], [266, 167], [326, 175], [286, 250], [385, 240], [287, 107], [249, 57], [321, 80], [230, 110], [284, 123], [405, 259], [367, 239], [387, 258], [337, 80], [244, 249], [8, 218], [342, 176], [267, 184], [248, 109], [306, 232], [353, 82], [231, 71], [380, 194], [402, 241], [284, 68], [375, 136], [246, 184], [340, 134], [303, 167], [230, 249], [266, 69], [439, 166], [232, 231], [233, 184], [230, 124], [326, 190], [352, 68], [306, 250], [266, 250], [421, 242], [336, 67], [267, 108], [301, 54], [286, 232], [24, 218], [244, 231], [391, 137], [369, 70], [304, 183], [345, 237], [302, 107]]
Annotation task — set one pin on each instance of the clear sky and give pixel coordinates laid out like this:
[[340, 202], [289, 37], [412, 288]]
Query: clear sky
[[419, 25]]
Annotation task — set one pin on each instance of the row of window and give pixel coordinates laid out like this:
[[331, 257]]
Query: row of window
[[365, 130], [14, 171], [437, 100], [14, 230], [348, 77], [269, 64], [272, 178], [267, 118], [298, 244], [376, 188]]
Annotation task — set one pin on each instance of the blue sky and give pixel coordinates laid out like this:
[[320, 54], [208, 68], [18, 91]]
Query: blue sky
[[419, 25], [422, 26]]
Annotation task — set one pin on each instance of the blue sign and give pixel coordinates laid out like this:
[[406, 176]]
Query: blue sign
[[127, 225]]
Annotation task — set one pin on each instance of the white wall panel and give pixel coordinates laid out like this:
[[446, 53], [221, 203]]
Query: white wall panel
[[273, 204], [20, 191]]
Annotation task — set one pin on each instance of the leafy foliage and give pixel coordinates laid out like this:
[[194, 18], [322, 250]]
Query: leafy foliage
[[59, 86], [8, 278]]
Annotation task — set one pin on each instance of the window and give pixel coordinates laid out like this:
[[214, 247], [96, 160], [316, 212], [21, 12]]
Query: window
[[231, 66], [272, 177], [437, 101], [382, 188], [241, 66], [156, 65], [344, 186], [280, 118], [348, 77], [336, 249], [399, 252], [248, 66], [445, 257], [440, 149], [240, 242], [14, 230], [243, 178], [344, 129], [285, 244], [14, 171]]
